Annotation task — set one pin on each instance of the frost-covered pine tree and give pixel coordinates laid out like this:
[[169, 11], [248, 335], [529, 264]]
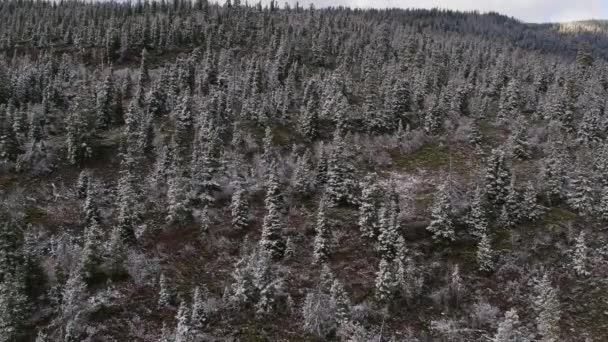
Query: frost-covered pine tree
[[78, 133], [82, 185], [321, 169], [603, 205], [580, 256], [164, 293], [302, 174], [497, 177], [322, 242], [340, 187], [74, 294], [484, 254], [477, 219], [116, 253], [198, 317], [166, 335], [178, 206], [272, 240], [532, 211], [341, 302], [14, 308], [581, 196], [441, 225], [548, 312], [183, 331], [91, 257], [512, 205], [385, 282], [388, 235], [239, 208], [508, 328], [553, 172], [369, 206]]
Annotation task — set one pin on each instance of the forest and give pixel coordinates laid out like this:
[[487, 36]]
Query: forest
[[184, 171]]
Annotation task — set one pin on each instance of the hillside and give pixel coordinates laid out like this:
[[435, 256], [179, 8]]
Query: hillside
[[186, 171]]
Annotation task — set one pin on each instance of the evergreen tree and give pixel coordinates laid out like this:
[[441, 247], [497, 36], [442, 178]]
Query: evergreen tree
[[164, 294], [441, 225], [14, 309], [484, 254], [183, 331], [547, 307], [531, 209], [302, 174], [385, 282], [323, 236], [580, 256], [497, 177], [477, 220], [239, 208], [509, 328], [512, 206], [581, 197], [91, 255], [369, 206], [340, 187], [388, 234], [199, 317], [79, 137], [341, 302], [272, 239]]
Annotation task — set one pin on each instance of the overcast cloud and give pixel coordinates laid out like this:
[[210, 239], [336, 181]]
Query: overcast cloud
[[526, 10]]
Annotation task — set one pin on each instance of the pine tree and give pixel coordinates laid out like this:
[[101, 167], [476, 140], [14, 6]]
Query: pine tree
[[369, 206], [341, 302], [14, 308], [546, 304], [310, 121], [510, 103], [497, 177], [302, 174], [83, 184], [183, 331], [165, 334], [74, 294], [477, 220], [91, 255], [581, 197], [79, 138], [116, 254], [272, 239], [340, 187], [239, 208], [388, 234], [321, 170], [164, 294], [199, 315], [531, 209], [441, 225], [323, 236], [484, 254], [385, 282], [508, 328], [580, 256], [554, 174], [512, 206]]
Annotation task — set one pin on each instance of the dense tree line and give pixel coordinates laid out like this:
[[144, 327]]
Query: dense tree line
[[188, 171]]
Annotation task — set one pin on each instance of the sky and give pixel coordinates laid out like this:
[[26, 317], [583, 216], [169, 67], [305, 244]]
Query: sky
[[525, 10]]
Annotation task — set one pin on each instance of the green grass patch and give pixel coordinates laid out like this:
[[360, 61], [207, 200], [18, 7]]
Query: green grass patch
[[34, 215], [558, 215], [429, 157], [424, 202]]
